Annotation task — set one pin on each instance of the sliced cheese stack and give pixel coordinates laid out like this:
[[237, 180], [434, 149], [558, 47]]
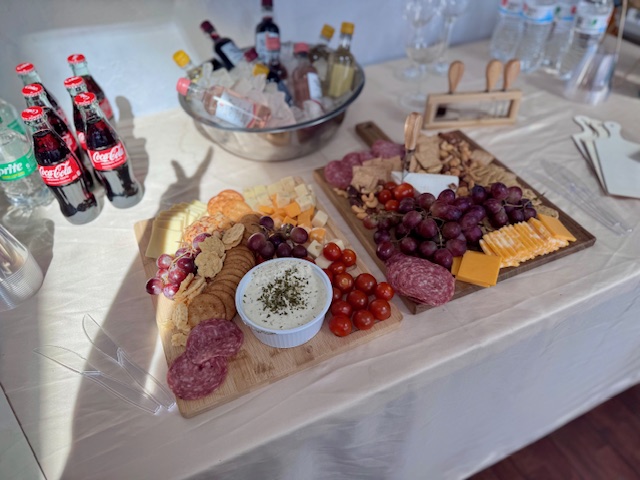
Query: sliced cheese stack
[[523, 241], [287, 202], [166, 232]]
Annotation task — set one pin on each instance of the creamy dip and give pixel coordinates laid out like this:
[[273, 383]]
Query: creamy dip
[[284, 295]]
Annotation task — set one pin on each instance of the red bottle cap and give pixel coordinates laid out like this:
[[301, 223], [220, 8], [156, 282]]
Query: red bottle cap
[[83, 99], [76, 58], [300, 47], [267, 3], [24, 68], [273, 43], [207, 27], [250, 55], [32, 90], [32, 113], [183, 86], [73, 82]]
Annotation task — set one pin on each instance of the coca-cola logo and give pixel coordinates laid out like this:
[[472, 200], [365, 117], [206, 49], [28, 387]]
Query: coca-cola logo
[[109, 158], [60, 174]]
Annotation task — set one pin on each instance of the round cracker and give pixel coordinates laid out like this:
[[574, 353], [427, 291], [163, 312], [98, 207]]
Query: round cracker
[[205, 306], [230, 193]]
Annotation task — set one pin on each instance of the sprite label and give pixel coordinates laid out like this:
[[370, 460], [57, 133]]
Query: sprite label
[[18, 168]]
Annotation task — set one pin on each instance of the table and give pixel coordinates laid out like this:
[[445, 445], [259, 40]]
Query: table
[[453, 390]]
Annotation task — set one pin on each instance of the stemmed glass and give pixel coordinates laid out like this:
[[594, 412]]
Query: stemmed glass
[[418, 14], [452, 11]]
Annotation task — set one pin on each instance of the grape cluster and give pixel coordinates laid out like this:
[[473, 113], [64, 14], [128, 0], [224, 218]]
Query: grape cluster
[[173, 269], [287, 241], [441, 228]]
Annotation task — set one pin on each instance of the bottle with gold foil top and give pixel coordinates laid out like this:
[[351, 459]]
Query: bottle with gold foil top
[[342, 64], [183, 60], [319, 55]]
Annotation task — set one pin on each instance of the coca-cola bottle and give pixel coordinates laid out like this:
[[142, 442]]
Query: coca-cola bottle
[[75, 86], [35, 97], [108, 154], [59, 169], [79, 67], [28, 75], [224, 47]]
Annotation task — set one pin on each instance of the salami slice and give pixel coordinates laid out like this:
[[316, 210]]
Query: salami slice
[[421, 280], [338, 174], [352, 159], [213, 338], [191, 382], [385, 149], [366, 155]]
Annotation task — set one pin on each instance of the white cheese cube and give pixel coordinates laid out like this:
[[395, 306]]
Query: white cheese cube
[[315, 249], [323, 262], [301, 190], [338, 242], [304, 202], [319, 219], [249, 191], [273, 189], [282, 199], [260, 190], [288, 184], [263, 199]]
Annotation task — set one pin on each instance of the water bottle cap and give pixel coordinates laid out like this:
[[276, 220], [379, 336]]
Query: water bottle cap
[[76, 58], [347, 28], [32, 90], [183, 86], [300, 47], [32, 113], [273, 43], [24, 68], [250, 55], [84, 99], [72, 82], [260, 69], [207, 26], [327, 31], [181, 58]]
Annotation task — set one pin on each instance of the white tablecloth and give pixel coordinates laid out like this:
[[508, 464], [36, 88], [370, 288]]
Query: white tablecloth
[[453, 390]]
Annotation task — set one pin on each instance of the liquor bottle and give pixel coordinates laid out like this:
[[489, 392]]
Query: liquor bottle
[[342, 65], [29, 75], [35, 97], [9, 117], [304, 78], [183, 60], [226, 105], [272, 77], [319, 55], [79, 67], [60, 170], [108, 155], [224, 47], [75, 86], [266, 29], [273, 58]]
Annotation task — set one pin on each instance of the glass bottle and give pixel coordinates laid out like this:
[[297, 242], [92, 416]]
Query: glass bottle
[[342, 64], [304, 78], [183, 60], [75, 86], [29, 75], [273, 58], [272, 77], [265, 29], [9, 117], [79, 67], [226, 105], [319, 55], [224, 47]]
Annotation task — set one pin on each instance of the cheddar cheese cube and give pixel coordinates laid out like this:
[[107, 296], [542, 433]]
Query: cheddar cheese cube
[[293, 209], [290, 220], [317, 234]]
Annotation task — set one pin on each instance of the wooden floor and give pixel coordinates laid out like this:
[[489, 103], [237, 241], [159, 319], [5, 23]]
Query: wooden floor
[[603, 444]]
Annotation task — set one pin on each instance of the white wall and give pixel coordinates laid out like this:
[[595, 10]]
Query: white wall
[[129, 43]]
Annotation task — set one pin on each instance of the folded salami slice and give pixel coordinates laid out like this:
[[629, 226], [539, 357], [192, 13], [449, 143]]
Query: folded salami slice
[[352, 159], [191, 382], [421, 280], [213, 338], [386, 149], [338, 174]]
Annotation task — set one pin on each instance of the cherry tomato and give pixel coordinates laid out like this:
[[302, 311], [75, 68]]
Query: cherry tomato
[[384, 196], [349, 257], [329, 274], [358, 300], [390, 185], [340, 325], [331, 251], [344, 281], [380, 309], [384, 291], [366, 283], [341, 307], [363, 319], [337, 294], [391, 205], [403, 190], [337, 267]]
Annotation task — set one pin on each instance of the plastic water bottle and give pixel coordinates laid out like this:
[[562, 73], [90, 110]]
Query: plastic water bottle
[[560, 37], [592, 18], [19, 177], [538, 21], [9, 117], [508, 31]]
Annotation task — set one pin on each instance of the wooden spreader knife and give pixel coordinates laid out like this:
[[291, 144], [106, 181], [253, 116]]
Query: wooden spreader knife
[[412, 127]]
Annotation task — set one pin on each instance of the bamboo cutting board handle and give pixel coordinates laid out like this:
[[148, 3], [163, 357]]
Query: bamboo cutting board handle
[[456, 70], [412, 126], [511, 72], [493, 73]]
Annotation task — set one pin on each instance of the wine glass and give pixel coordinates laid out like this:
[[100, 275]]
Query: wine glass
[[423, 47], [418, 14], [452, 10]]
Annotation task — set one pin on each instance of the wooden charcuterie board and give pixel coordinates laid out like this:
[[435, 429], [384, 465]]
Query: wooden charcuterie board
[[369, 132], [257, 365]]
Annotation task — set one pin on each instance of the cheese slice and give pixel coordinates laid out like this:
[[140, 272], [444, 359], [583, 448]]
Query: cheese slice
[[557, 229], [455, 266], [169, 224], [479, 269], [163, 241]]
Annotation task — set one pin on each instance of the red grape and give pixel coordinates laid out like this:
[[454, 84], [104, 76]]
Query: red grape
[[402, 231], [170, 290], [427, 228], [256, 241], [447, 196], [514, 194], [478, 194], [283, 250], [186, 263], [177, 274], [468, 221], [276, 239], [408, 245], [500, 219], [427, 248], [267, 222], [499, 191], [164, 261], [473, 234], [529, 213], [451, 230], [154, 286], [463, 203], [381, 236], [385, 250], [492, 206], [412, 219], [267, 251], [456, 247], [477, 211], [299, 235], [516, 215], [425, 200], [443, 257], [406, 205], [201, 237], [370, 222]]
